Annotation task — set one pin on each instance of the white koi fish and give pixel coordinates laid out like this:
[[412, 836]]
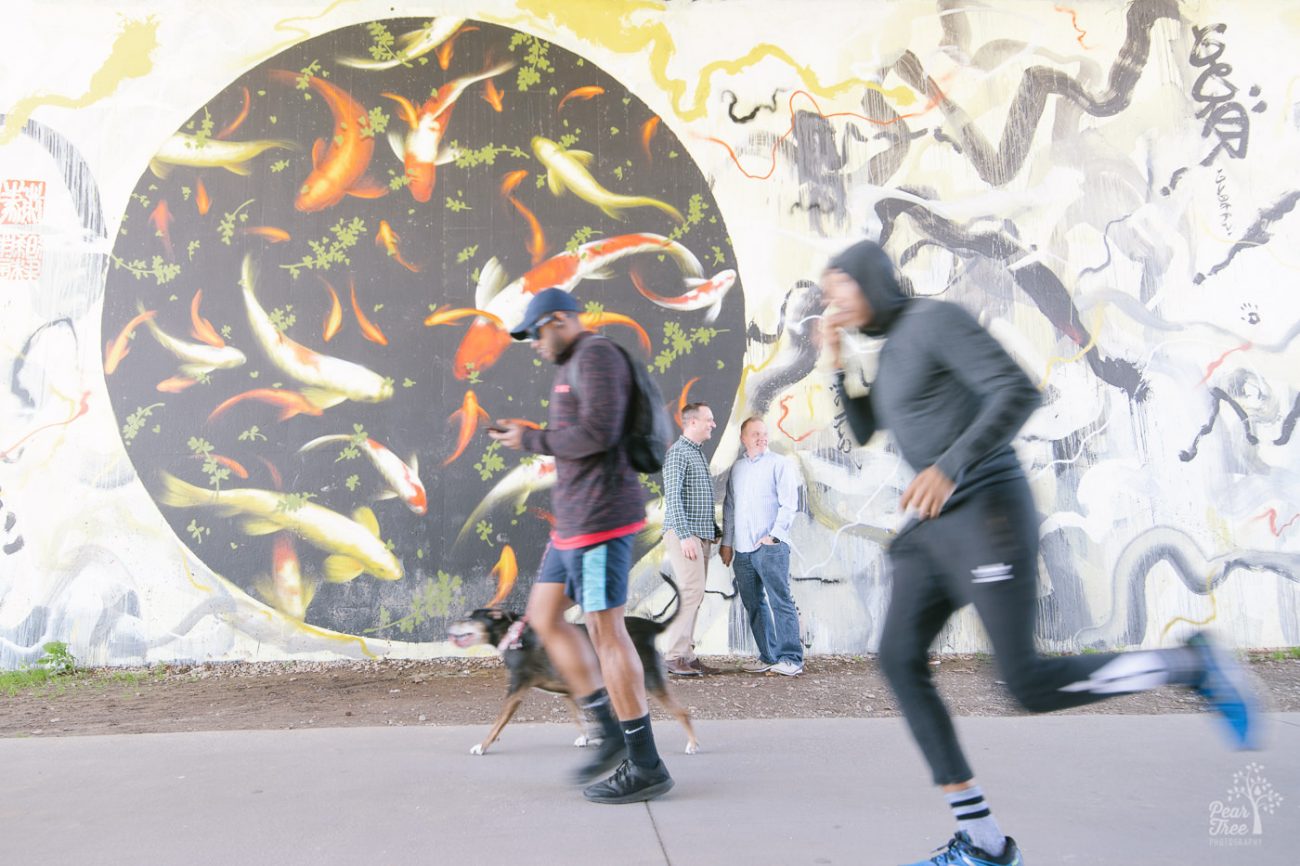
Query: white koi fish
[[353, 545], [233, 156], [327, 381], [402, 479], [197, 359], [702, 293], [591, 261], [567, 170], [515, 487], [410, 46]]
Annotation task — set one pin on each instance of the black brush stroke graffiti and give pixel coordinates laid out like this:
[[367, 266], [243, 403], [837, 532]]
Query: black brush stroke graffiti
[[1220, 397], [13, 543], [798, 356], [1201, 575], [1173, 181], [731, 106], [1037, 84], [28, 399], [1105, 239], [1224, 116], [1288, 425], [76, 174], [940, 137], [1035, 279], [1258, 234]]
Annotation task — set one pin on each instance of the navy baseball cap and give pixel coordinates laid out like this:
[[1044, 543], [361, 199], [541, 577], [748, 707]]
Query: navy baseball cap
[[543, 304]]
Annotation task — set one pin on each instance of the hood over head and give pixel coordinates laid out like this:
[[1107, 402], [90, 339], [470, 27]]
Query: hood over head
[[871, 268]]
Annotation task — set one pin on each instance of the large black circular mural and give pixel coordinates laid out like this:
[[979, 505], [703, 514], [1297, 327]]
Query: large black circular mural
[[306, 310]]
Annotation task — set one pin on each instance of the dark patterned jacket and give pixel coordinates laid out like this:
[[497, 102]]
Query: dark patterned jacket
[[598, 495]]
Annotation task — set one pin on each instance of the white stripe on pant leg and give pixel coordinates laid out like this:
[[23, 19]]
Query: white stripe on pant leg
[[1130, 672], [991, 573]]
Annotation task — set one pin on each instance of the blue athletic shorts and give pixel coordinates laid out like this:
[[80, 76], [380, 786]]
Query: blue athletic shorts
[[595, 577]]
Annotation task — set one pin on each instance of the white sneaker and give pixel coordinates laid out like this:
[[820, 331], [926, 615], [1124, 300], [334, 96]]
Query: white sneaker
[[756, 667], [787, 669]]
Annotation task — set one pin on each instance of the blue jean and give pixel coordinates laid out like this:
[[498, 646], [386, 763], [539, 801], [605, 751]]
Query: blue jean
[[763, 581]]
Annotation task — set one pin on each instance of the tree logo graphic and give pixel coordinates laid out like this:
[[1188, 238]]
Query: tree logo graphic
[[1239, 819]]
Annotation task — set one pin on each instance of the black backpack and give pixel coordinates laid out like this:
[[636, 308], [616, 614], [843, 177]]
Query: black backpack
[[647, 430]]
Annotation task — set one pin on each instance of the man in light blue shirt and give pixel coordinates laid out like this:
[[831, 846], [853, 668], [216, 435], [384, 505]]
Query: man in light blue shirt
[[762, 498]]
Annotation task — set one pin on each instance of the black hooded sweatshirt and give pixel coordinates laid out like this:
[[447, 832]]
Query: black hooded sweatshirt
[[949, 392]]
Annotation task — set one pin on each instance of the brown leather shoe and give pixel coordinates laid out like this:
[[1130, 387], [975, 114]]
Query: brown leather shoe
[[680, 668], [703, 668]]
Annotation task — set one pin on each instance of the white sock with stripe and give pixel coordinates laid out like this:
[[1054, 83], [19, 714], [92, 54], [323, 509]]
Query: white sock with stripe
[[973, 817]]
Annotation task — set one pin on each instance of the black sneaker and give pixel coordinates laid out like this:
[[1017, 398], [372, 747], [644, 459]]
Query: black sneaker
[[631, 783], [609, 753]]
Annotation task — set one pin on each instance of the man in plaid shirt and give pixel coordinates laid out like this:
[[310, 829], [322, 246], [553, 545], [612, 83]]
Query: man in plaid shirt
[[689, 533]]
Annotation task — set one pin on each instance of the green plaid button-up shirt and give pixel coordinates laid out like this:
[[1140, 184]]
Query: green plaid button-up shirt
[[688, 491]]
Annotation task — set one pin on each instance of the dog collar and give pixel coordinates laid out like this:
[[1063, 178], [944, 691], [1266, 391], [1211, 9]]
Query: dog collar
[[514, 637]]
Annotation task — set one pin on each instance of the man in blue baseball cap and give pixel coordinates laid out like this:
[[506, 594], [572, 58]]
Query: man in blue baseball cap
[[599, 507]]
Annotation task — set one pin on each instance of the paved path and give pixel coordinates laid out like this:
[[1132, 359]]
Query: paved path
[[1127, 790]]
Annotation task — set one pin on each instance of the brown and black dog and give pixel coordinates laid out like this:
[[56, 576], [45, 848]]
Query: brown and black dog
[[529, 666]]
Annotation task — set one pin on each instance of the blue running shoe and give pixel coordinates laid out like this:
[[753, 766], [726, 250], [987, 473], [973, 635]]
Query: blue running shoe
[[1227, 688], [960, 852]]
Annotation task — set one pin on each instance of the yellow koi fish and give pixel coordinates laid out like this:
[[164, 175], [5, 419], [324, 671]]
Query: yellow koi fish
[[327, 380], [352, 545], [233, 156], [567, 169]]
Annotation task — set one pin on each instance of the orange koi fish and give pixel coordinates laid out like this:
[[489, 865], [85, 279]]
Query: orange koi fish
[[536, 243], [648, 130], [448, 49], [231, 464], [506, 570], [493, 95], [334, 318], [446, 316], [120, 346], [291, 403], [200, 327], [286, 590], [511, 181], [523, 422], [270, 233], [161, 219], [681, 401], [605, 319], [175, 384], [589, 92], [201, 199], [482, 346], [338, 169], [703, 293], [276, 478], [542, 514], [229, 129], [369, 330], [387, 238], [421, 150], [470, 415]]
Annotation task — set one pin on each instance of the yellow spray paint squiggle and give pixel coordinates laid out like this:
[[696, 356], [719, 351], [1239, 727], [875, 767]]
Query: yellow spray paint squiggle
[[607, 24], [130, 57]]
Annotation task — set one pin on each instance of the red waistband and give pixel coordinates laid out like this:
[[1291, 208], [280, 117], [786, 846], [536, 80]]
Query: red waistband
[[592, 538]]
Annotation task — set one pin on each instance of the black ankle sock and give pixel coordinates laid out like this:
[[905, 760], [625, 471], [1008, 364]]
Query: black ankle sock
[[598, 708], [640, 742]]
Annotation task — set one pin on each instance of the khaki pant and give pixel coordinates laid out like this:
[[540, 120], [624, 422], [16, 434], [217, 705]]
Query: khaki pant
[[691, 575]]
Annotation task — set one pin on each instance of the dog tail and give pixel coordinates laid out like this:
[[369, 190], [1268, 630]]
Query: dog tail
[[675, 602]]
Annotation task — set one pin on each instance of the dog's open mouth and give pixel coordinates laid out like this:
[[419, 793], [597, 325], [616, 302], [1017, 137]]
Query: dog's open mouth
[[464, 636]]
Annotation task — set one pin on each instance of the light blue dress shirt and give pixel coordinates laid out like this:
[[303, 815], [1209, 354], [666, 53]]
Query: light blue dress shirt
[[767, 490]]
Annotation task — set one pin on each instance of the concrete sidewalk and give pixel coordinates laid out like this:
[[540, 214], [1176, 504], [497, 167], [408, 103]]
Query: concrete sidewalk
[[1129, 790]]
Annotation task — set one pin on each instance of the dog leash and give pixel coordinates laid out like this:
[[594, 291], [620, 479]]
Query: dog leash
[[514, 637]]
